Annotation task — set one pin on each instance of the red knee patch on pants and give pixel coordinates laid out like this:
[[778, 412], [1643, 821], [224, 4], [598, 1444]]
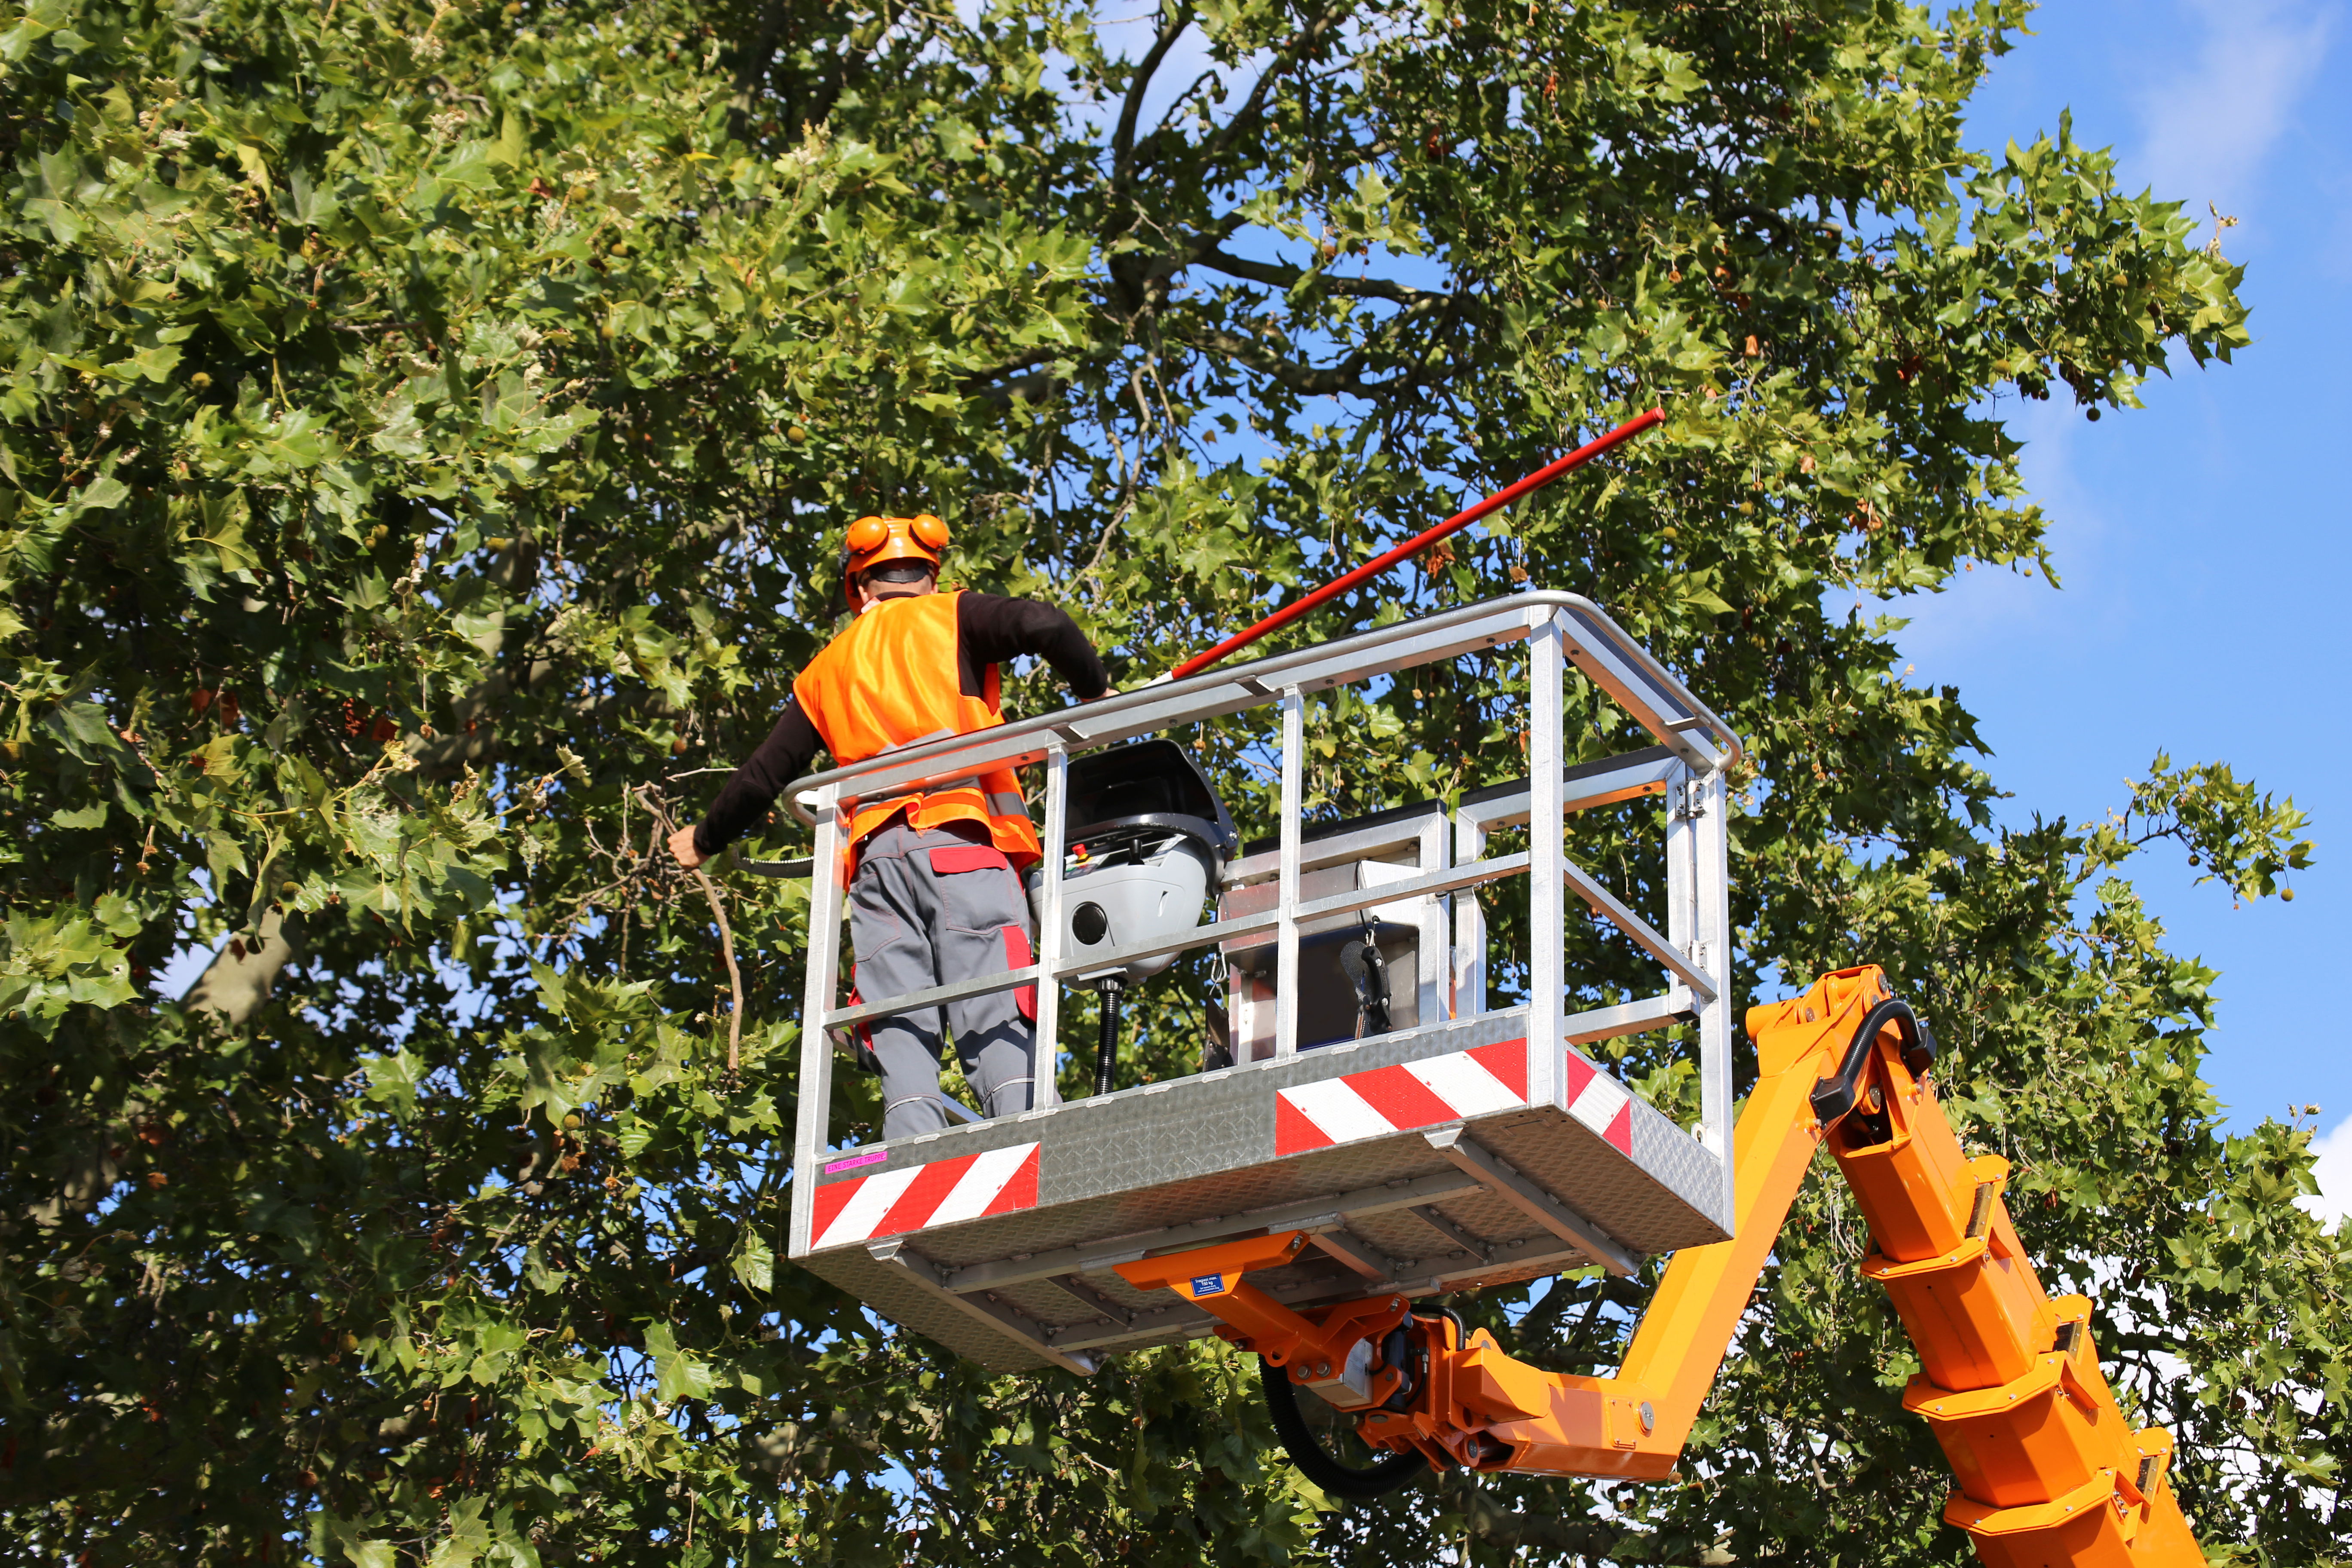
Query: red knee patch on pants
[[862, 1036], [1017, 956]]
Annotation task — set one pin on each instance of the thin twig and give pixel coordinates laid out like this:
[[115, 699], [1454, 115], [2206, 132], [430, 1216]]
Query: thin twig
[[726, 939]]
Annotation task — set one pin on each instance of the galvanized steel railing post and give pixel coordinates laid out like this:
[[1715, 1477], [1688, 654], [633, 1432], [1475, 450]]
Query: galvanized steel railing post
[[1431, 979], [1712, 840], [1682, 858], [1547, 916], [1699, 922], [1045, 1053], [816, 1111], [1285, 952], [1469, 924]]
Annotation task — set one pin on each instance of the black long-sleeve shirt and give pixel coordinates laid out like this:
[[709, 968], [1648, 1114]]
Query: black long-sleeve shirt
[[989, 630]]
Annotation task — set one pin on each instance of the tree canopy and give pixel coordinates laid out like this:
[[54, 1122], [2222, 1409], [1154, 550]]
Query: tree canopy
[[427, 430]]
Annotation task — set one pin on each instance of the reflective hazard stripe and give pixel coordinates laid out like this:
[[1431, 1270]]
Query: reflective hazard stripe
[[1600, 1102], [970, 780], [1383, 1101], [917, 1197]]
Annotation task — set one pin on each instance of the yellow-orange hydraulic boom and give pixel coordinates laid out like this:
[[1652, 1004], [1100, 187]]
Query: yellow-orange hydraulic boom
[[2049, 1470]]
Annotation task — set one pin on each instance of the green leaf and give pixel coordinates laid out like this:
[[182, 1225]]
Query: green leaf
[[511, 139], [101, 494], [468, 1536], [678, 1374], [82, 728], [393, 1079], [755, 1262], [219, 525], [250, 160]]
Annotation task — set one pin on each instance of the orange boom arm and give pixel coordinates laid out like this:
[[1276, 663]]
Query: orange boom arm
[[2049, 1470]]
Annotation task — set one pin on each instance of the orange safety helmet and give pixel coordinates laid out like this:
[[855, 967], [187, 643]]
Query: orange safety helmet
[[871, 540]]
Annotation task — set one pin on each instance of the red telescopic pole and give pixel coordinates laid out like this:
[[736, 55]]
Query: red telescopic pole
[[1413, 546]]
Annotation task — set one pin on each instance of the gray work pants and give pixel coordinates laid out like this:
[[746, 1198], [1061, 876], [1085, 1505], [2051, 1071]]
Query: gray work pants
[[930, 907]]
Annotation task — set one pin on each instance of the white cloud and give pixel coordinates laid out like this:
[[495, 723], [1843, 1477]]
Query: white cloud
[[2332, 1154], [2211, 122], [2209, 125]]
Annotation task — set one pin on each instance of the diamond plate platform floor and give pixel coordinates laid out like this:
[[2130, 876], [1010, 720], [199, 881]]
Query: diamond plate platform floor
[[997, 1239]]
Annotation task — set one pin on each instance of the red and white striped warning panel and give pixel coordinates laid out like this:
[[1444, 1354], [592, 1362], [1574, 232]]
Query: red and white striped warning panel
[[1601, 1103], [1399, 1099], [920, 1196]]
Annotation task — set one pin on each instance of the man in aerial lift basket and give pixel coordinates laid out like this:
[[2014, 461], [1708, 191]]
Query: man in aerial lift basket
[[935, 895]]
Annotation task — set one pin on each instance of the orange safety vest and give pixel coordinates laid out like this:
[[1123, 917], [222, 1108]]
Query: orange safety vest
[[890, 681]]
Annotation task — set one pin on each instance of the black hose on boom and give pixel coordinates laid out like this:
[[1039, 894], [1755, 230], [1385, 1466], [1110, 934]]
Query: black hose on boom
[[1107, 1043], [1314, 1462], [1836, 1096]]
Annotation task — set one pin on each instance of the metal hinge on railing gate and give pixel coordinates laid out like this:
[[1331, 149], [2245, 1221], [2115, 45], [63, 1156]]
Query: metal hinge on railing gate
[[1690, 800]]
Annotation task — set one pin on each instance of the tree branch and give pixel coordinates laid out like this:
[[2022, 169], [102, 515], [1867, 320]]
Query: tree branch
[[1275, 276], [1493, 1522], [237, 981], [1254, 105], [1029, 361], [1122, 146], [1311, 381], [726, 939], [994, 385]]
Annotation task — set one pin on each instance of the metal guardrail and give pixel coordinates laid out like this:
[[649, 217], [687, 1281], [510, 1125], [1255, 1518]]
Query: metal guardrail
[[1695, 749]]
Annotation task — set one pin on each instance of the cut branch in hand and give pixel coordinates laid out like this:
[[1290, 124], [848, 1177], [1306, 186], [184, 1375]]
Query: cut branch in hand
[[726, 937]]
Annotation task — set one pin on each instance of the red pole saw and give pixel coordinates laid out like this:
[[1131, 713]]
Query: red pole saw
[[1419, 542]]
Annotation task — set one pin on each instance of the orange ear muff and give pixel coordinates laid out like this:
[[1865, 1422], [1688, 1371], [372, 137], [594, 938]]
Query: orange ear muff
[[867, 534], [930, 532]]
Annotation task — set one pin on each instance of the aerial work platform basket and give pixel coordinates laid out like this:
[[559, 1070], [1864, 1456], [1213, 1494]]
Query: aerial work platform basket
[[1463, 1146]]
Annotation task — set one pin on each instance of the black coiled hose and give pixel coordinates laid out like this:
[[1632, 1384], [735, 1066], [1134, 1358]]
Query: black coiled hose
[[1314, 1461], [1106, 1041]]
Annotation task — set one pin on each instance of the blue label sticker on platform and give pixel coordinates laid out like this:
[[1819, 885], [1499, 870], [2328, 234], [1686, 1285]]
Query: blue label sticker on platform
[[1208, 1284]]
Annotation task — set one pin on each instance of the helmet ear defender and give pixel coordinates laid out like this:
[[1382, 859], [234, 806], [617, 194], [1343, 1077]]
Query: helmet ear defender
[[875, 542]]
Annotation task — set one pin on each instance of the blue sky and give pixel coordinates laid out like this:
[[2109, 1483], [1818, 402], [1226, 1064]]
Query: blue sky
[[2201, 542]]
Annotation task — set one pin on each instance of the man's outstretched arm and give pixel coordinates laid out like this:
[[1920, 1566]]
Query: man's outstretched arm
[[994, 630], [783, 757]]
